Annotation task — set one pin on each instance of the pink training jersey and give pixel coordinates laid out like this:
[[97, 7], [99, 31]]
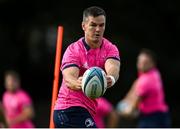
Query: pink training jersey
[[103, 109], [80, 55], [150, 88], [13, 104]]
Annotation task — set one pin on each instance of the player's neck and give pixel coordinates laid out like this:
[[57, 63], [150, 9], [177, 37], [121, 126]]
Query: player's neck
[[147, 70], [92, 44], [13, 91]]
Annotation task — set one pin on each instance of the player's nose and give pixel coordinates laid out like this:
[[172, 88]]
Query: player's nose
[[97, 28]]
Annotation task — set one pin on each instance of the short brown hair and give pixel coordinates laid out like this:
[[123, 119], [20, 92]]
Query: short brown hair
[[12, 73], [94, 11], [150, 54]]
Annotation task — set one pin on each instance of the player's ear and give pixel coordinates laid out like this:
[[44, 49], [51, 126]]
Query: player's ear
[[83, 25]]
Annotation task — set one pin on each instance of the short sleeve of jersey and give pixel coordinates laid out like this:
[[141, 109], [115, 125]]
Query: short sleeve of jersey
[[113, 52], [25, 99], [142, 87], [70, 57]]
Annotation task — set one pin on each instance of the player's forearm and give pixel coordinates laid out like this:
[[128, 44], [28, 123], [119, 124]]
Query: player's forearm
[[25, 115], [19, 119], [71, 78], [132, 102], [131, 93], [112, 68], [71, 81]]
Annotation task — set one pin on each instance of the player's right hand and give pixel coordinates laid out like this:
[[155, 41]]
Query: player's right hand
[[76, 84]]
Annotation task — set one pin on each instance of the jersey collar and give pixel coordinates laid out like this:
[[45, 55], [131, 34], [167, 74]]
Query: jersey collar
[[86, 45]]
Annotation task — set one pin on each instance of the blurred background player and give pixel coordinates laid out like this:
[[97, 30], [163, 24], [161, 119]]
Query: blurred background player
[[17, 104], [73, 108], [106, 115], [147, 95]]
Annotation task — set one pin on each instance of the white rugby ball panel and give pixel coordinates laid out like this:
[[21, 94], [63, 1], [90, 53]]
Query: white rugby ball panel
[[94, 83], [94, 89]]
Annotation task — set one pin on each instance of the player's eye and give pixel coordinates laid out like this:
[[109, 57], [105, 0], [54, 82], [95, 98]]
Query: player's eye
[[93, 25], [101, 25]]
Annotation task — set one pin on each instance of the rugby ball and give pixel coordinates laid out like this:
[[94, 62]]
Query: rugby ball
[[94, 83]]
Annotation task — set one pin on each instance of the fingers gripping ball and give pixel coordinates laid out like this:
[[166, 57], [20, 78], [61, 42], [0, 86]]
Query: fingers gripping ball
[[94, 83]]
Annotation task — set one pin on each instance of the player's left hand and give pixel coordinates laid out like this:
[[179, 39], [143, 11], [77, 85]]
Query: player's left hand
[[110, 82]]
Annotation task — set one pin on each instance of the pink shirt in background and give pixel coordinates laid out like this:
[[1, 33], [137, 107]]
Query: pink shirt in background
[[13, 104], [150, 88], [103, 109], [80, 55]]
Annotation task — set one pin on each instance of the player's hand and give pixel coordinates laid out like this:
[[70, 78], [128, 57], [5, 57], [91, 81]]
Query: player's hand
[[124, 109], [110, 82], [77, 84], [80, 81]]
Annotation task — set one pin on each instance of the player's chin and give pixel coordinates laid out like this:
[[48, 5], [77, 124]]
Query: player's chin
[[97, 40]]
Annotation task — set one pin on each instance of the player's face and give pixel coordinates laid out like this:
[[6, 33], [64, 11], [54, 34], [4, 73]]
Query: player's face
[[11, 83], [144, 63], [94, 29]]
